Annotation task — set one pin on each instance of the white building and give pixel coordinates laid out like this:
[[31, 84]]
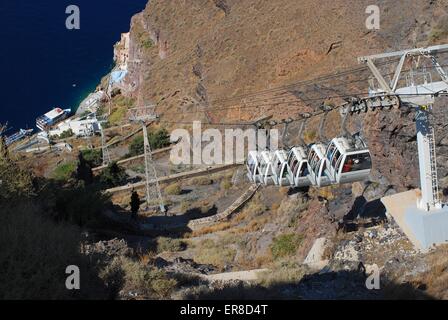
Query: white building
[[80, 128]]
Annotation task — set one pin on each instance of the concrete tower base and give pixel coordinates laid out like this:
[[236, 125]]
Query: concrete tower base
[[429, 228], [424, 229]]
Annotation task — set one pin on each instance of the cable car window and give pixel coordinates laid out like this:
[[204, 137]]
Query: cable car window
[[251, 167], [312, 154], [294, 165], [317, 168], [251, 163], [304, 171], [314, 159], [330, 150], [357, 162], [335, 158], [324, 167]]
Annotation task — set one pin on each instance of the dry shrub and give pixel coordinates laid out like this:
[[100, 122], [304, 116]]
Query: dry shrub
[[226, 184], [282, 273], [146, 258], [256, 207], [439, 32], [263, 260], [217, 253], [237, 218], [252, 226], [184, 206], [201, 181], [324, 192], [131, 276], [292, 205], [247, 261], [170, 245], [436, 278], [284, 191], [173, 189], [310, 136], [275, 206], [221, 226]]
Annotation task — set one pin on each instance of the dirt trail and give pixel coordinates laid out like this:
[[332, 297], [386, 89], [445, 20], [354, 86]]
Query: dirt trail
[[248, 275]]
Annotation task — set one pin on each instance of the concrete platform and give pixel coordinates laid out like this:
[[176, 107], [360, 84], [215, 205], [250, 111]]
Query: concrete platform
[[315, 258], [424, 229]]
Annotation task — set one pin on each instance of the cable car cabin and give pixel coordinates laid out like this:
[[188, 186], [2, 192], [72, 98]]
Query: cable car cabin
[[260, 167], [298, 163], [281, 170], [349, 161], [253, 168], [266, 167], [318, 166]]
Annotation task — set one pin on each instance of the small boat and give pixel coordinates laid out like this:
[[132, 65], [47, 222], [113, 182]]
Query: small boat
[[18, 136]]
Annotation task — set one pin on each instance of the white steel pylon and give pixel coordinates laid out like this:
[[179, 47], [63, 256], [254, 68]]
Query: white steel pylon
[[153, 192], [104, 149], [152, 189]]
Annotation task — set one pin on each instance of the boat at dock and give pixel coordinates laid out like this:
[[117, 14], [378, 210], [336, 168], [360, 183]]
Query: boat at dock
[[18, 136], [52, 118]]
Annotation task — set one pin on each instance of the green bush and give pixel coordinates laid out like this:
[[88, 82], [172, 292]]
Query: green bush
[[113, 176], [84, 170], [80, 205], [15, 182], [157, 140], [147, 43], [285, 245], [64, 171], [66, 134], [94, 157], [117, 116]]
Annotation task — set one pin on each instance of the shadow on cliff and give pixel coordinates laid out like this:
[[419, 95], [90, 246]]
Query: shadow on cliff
[[341, 285], [174, 226], [363, 214]]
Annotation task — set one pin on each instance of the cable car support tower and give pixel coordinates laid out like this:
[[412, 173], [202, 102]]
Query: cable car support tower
[[427, 219], [153, 193]]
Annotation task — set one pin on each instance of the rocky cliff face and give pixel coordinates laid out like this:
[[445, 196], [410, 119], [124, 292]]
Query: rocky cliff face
[[198, 52]]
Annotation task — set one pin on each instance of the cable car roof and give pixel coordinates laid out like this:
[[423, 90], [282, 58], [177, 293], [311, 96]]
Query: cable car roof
[[266, 156], [319, 148], [281, 155], [299, 153], [344, 145]]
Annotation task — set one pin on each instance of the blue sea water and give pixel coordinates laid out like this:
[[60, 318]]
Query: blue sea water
[[44, 65]]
